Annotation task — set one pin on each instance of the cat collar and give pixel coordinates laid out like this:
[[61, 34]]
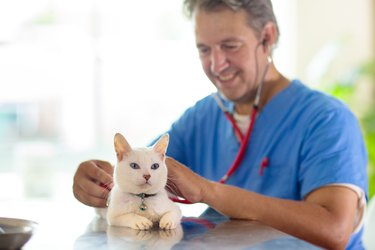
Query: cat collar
[[143, 196]]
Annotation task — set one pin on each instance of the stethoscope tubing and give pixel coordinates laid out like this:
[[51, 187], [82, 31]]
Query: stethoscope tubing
[[241, 152], [244, 143], [244, 140]]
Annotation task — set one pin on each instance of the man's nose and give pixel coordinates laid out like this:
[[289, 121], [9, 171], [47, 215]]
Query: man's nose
[[218, 62]]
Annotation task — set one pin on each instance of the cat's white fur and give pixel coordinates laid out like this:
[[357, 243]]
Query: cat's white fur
[[124, 206]]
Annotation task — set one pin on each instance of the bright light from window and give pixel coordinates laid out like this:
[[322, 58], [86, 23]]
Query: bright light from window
[[73, 73]]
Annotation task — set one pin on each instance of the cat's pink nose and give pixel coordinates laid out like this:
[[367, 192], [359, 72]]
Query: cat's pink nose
[[147, 176]]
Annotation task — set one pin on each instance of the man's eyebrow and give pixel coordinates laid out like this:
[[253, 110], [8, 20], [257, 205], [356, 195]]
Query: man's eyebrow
[[231, 39], [227, 40], [200, 45]]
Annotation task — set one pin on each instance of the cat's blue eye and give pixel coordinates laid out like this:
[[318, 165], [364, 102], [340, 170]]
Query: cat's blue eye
[[134, 165], [155, 166]]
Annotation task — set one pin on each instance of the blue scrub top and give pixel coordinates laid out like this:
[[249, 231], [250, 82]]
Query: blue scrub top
[[310, 139]]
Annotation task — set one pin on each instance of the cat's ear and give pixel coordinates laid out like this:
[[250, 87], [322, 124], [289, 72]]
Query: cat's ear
[[122, 147], [161, 145]]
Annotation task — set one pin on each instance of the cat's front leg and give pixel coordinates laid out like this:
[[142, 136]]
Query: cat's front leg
[[131, 220], [170, 220]]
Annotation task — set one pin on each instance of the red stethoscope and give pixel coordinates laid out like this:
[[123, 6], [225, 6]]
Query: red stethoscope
[[244, 139]]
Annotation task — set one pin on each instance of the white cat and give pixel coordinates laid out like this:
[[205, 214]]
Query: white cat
[[138, 198]]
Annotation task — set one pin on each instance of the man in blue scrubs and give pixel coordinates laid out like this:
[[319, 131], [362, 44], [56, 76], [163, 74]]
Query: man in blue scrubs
[[304, 168]]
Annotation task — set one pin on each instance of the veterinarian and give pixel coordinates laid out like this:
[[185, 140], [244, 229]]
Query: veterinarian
[[263, 147]]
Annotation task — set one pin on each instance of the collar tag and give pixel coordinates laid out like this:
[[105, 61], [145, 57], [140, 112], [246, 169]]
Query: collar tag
[[143, 196]]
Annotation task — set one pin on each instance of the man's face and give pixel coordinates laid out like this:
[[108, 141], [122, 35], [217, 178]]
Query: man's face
[[227, 47]]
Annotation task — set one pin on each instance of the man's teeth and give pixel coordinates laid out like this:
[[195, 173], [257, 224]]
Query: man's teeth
[[226, 77]]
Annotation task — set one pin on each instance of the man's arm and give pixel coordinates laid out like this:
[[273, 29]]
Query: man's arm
[[325, 218]]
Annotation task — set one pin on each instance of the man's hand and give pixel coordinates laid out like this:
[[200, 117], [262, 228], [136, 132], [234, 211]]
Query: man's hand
[[185, 183], [93, 182]]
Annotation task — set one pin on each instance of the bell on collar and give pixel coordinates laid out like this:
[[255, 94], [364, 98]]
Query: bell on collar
[[143, 206]]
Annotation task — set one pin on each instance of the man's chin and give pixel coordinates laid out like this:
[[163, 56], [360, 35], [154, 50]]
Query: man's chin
[[233, 97]]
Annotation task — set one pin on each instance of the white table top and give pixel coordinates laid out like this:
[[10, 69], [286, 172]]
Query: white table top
[[75, 226]]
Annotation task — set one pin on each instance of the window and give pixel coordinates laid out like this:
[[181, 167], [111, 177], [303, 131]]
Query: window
[[73, 73]]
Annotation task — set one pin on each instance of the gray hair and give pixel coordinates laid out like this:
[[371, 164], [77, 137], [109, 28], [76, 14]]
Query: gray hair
[[259, 12]]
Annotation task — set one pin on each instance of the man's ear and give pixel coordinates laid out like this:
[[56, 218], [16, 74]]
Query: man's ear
[[268, 37]]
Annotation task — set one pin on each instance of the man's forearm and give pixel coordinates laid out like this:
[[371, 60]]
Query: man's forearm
[[327, 226]]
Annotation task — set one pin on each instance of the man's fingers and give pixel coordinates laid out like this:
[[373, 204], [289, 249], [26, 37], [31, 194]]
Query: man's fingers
[[184, 182], [87, 199], [93, 189], [99, 172], [93, 182], [105, 165]]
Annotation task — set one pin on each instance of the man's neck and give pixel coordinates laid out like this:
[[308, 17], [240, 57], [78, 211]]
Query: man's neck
[[270, 89]]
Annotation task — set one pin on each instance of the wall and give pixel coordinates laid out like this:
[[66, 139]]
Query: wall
[[333, 36]]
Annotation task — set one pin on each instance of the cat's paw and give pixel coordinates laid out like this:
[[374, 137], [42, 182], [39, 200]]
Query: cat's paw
[[141, 223], [167, 223]]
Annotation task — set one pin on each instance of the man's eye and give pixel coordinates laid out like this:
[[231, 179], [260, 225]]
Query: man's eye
[[203, 50], [134, 165], [154, 166], [230, 46]]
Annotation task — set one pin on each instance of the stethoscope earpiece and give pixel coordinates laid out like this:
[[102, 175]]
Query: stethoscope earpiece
[[264, 42]]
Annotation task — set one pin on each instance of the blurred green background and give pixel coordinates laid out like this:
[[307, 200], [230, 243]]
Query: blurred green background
[[356, 87]]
